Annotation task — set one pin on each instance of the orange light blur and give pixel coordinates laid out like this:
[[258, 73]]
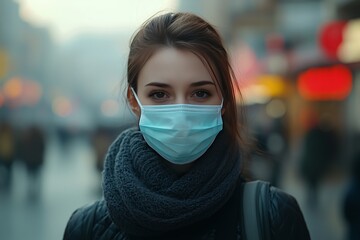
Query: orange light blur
[[110, 107], [264, 88], [13, 88], [4, 63], [275, 85], [2, 99], [62, 106], [32, 92]]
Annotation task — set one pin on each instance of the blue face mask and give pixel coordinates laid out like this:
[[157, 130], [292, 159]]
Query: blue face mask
[[180, 133]]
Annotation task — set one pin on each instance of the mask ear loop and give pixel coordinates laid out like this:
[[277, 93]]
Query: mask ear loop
[[222, 109], [136, 97]]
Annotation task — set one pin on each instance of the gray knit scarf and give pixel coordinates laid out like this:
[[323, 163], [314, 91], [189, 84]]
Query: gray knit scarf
[[145, 197]]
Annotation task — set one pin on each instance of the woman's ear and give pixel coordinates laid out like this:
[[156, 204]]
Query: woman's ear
[[132, 102]]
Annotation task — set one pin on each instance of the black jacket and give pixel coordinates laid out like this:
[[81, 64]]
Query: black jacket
[[286, 222]]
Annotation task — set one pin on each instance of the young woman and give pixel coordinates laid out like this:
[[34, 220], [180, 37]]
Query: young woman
[[177, 175]]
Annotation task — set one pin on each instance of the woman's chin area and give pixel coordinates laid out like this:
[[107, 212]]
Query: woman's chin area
[[179, 169]]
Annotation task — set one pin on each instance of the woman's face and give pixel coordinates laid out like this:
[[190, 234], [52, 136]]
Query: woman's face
[[173, 76]]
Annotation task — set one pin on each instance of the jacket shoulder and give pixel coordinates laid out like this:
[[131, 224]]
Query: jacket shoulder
[[286, 218], [91, 221]]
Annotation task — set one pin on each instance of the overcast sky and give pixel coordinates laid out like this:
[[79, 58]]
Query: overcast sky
[[67, 18]]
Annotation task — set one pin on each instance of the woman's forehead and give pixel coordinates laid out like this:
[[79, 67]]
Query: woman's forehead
[[171, 64]]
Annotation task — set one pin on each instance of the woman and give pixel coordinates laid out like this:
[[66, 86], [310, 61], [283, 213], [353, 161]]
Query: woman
[[177, 175]]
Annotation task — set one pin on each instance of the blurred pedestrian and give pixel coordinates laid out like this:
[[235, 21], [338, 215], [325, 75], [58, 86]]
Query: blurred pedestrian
[[32, 151], [101, 141], [351, 203], [7, 153], [178, 174], [318, 154]]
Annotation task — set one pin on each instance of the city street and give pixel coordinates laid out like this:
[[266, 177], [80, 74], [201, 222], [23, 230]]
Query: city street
[[288, 74], [325, 220], [70, 180]]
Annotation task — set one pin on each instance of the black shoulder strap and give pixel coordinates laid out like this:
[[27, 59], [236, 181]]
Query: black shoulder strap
[[255, 211]]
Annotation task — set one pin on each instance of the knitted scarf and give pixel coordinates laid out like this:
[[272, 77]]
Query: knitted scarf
[[145, 197]]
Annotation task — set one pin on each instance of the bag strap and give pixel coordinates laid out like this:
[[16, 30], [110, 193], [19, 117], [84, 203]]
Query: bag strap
[[255, 210]]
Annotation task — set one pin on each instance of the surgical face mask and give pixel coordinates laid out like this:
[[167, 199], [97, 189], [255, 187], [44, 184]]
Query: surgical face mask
[[180, 133]]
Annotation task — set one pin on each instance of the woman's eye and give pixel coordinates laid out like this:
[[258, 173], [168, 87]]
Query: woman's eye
[[201, 94], [158, 95]]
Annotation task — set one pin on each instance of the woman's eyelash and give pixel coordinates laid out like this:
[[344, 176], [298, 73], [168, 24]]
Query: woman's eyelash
[[160, 95], [206, 92], [155, 94]]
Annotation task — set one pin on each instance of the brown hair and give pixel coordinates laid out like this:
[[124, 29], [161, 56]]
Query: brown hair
[[189, 32]]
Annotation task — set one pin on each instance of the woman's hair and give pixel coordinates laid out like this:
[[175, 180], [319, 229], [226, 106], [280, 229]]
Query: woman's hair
[[186, 31]]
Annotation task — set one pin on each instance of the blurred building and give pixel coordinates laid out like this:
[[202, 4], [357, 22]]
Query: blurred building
[[71, 86], [272, 44], [25, 53]]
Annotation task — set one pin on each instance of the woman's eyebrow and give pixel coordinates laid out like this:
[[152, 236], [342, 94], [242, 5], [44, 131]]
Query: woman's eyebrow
[[157, 84], [194, 84], [201, 83]]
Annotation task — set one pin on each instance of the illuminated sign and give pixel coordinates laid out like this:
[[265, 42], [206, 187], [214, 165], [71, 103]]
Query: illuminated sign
[[331, 37], [340, 40], [349, 51], [325, 83]]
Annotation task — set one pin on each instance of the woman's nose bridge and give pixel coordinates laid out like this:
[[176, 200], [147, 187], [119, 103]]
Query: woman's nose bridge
[[181, 98]]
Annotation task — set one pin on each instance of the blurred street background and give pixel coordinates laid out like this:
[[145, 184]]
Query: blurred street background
[[62, 64]]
